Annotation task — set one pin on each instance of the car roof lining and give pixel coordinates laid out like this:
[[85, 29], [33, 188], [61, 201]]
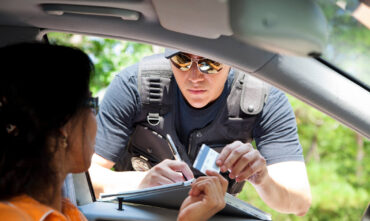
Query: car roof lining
[[308, 80], [302, 77], [274, 32]]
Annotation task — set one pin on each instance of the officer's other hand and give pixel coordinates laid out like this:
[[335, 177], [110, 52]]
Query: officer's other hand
[[205, 199], [244, 162], [166, 172]]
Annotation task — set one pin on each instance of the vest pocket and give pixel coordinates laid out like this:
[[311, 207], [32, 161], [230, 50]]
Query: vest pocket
[[217, 147], [239, 128], [148, 145]]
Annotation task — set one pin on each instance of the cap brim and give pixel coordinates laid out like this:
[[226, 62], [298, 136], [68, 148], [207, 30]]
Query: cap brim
[[169, 52]]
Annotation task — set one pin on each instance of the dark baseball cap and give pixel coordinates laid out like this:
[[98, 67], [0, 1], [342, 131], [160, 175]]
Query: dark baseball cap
[[169, 52]]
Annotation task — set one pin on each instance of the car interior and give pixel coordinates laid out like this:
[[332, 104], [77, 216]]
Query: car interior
[[280, 42]]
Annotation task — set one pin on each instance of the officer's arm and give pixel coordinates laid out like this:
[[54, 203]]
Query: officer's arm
[[283, 186], [106, 180], [286, 189]]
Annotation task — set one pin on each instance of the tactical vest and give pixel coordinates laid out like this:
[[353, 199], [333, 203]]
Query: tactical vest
[[158, 90]]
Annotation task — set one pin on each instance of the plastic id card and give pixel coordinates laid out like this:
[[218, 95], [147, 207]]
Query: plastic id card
[[206, 160]]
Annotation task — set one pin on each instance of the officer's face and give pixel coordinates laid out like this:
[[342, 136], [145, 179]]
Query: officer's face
[[200, 89]]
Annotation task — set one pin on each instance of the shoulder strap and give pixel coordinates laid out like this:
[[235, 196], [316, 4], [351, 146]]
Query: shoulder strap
[[248, 93], [154, 78], [254, 95]]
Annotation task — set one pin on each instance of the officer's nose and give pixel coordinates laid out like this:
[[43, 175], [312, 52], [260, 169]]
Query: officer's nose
[[195, 75]]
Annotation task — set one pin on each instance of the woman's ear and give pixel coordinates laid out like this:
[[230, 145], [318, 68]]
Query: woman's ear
[[63, 139], [64, 131]]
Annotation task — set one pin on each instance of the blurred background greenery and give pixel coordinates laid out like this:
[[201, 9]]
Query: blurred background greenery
[[337, 158]]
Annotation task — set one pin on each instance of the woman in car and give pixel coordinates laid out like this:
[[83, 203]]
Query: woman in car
[[48, 129]]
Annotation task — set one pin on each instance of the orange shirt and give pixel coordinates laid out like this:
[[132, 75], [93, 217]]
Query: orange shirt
[[26, 208]]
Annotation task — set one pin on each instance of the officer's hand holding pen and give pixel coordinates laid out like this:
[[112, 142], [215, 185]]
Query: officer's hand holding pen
[[167, 172], [174, 150]]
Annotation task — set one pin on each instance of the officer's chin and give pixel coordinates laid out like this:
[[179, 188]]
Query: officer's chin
[[198, 105]]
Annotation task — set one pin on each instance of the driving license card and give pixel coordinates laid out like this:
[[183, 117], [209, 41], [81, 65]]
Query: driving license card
[[206, 159]]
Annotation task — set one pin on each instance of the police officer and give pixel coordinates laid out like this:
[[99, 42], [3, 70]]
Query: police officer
[[197, 100]]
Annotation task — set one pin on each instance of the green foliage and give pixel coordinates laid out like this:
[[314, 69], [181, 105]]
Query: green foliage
[[338, 192], [108, 55], [333, 197]]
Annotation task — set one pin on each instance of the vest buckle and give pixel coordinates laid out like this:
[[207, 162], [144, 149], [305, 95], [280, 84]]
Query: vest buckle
[[153, 119]]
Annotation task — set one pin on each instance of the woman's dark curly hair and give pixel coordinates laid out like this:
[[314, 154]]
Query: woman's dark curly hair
[[41, 87]]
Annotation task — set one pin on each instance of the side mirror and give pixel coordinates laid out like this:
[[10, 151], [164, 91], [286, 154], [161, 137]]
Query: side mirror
[[282, 26]]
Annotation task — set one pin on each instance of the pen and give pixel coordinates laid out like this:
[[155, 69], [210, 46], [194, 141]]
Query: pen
[[174, 151], [173, 148]]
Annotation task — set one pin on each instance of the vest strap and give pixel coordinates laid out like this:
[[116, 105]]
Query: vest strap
[[154, 79], [248, 93], [254, 95]]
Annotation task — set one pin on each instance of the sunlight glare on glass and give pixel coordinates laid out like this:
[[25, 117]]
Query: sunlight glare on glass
[[348, 46]]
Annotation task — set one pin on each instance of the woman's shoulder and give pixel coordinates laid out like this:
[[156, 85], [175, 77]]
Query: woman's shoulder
[[26, 208], [9, 212], [71, 211]]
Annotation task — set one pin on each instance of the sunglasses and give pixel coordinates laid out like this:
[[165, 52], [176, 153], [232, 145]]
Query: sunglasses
[[205, 65], [93, 103]]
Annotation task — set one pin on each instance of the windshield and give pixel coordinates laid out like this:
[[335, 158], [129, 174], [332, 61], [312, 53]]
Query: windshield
[[349, 37]]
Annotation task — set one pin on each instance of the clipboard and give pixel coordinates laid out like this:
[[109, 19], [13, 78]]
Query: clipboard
[[171, 196]]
